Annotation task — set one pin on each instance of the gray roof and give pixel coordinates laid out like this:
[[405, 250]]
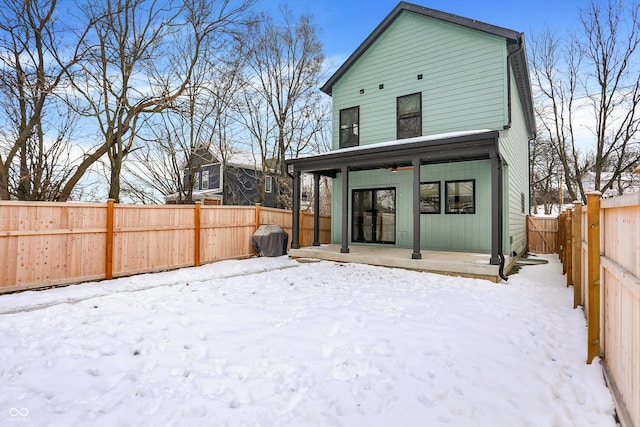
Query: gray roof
[[515, 46]]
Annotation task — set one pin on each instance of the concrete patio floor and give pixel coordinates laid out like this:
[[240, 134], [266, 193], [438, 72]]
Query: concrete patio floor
[[462, 264]]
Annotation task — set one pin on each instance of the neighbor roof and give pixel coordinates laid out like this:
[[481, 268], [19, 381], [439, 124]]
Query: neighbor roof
[[515, 46]]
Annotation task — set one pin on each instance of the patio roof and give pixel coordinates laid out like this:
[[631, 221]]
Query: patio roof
[[440, 148]]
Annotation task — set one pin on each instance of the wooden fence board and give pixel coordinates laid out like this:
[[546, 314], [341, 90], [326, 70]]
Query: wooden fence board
[[47, 254], [45, 244], [542, 235], [615, 227]]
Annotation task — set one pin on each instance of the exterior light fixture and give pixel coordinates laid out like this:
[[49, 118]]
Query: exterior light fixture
[[394, 168]]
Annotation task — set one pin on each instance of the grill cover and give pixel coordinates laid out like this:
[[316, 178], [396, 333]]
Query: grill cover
[[270, 240]]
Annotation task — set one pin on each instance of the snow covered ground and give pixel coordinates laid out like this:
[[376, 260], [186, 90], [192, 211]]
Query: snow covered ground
[[271, 342]]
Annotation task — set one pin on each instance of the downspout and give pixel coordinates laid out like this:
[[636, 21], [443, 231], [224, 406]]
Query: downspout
[[500, 254], [529, 148], [509, 59], [500, 212], [501, 268], [499, 157]]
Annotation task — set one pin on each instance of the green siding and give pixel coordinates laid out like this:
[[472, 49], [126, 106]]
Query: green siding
[[463, 86], [439, 231], [514, 149], [459, 232]]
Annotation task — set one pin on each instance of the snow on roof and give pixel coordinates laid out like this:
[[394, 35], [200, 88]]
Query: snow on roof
[[244, 159], [435, 137]]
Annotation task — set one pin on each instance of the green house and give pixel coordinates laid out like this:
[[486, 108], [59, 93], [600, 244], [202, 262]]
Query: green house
[[432, 118]]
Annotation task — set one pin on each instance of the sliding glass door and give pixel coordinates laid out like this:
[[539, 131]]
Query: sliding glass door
[[374, 216]]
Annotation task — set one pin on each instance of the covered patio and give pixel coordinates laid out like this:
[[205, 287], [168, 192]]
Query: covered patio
[[413, 153], [463, 264]]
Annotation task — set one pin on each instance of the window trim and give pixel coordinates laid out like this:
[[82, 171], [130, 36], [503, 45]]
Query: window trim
[[447, 210], [439, 198], [407, 115], [341, 143]]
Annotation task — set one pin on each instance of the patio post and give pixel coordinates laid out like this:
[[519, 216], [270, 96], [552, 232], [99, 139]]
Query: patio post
[[295, 223], [416, 209], [345, 210], [316, 209]]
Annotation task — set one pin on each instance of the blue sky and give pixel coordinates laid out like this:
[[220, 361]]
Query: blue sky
[[344, 24]]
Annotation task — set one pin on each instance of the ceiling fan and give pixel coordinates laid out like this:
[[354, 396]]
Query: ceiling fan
[[396, 168]]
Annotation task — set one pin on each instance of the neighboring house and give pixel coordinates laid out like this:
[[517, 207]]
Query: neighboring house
[[432, 118], [626, 183], [236, 181]]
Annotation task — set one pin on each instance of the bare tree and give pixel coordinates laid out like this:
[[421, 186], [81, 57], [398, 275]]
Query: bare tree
[[555, 70], [610, 47], [284, 63], [139, 68], [594, 74], [37, 51], [545, 170], [199, 123]]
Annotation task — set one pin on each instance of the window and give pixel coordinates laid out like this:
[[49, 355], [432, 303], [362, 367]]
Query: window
[[196, 181], [205, 179], [349, 127], [460, 197], [374, 216], [409, 110], [430, 197], [268, 184]]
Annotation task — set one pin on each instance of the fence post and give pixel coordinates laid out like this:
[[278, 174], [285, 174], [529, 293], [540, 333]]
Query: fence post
[[569, 247], [196, 236], [257, 215], [593, 275], [562, 241], [558, 236], [577, 253], [109, 247]]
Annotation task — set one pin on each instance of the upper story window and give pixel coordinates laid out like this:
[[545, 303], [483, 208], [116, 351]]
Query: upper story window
[[349, 127], [268, 184], [409, 108], [196, 180], [205, 179]]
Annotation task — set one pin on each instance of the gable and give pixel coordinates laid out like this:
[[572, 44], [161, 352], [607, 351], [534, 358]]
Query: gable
[[514, 38], [463, 84]]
